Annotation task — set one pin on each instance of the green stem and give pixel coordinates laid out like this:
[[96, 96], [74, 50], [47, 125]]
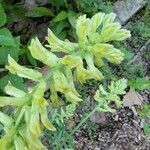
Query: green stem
[[85, 119]]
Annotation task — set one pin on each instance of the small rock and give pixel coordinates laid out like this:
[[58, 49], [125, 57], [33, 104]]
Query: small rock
[[125, 9]]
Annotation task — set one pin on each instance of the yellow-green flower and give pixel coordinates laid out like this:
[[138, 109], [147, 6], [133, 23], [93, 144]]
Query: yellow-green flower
[[21, 71], [58, 45], [42, 54]]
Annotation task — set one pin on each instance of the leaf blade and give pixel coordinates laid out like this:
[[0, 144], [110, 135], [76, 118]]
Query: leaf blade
[[39, 12], [2, 16]]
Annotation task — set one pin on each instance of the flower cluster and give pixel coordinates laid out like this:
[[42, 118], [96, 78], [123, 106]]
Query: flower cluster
[[24, 128]]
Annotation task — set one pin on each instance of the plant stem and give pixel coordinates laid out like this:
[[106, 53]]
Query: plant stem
[[85, 119]]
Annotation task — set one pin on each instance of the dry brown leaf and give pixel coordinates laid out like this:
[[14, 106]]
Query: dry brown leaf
[[132, 98]]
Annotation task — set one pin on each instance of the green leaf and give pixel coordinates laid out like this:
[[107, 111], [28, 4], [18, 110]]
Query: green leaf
[[62, 35], [17, 13], [31, 59], [15, 80], [58, 27], [118, 87], [5, 32], [13, 51], [61, 16], [6, 38], [57, 3], [147, 129], [39, 12], [4, 51], [17, 40], [145, 111], [104, 97], [127, 54], [72, 18], [2, 16], [140, 84]]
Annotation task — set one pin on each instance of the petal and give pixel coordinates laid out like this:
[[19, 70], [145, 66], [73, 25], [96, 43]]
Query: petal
[[42, 54], [100, 49], [72, 97], [108, 32], [19, 143], [94, 72], [33, 141], [82, 29], [96, 21], [115, 56], [60, 82], [55, 100], [122, 35], [107, 51], [13, 91], [54, 97], [5, 120], [58, 45], [20, 116], [98, 61], [71, 61], [81, 74], [7, 138], [69, 76], [109, 18], [97, 95], [21, 71], [34, 121], [3, 144], [45, 120], [12, 101], [35, 124]]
